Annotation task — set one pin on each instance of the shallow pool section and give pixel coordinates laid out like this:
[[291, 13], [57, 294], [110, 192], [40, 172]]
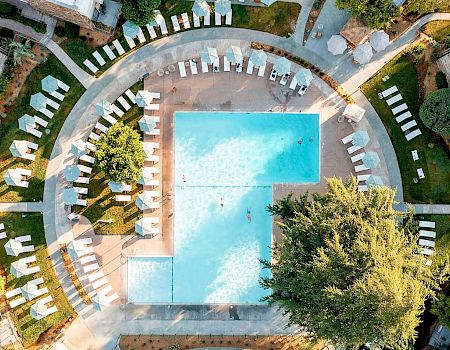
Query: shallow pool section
[[225, 166]]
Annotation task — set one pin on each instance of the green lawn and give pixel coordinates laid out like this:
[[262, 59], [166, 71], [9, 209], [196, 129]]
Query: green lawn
[[30, 329], [101, 201], [438, 30], [432, 154], [10, 131]]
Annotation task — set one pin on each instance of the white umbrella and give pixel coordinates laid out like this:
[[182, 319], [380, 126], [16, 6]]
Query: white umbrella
[[79, 148], [26, 123], [38, 311], [19, 148], [304, 77], [117, 187], [144, 98], [70, 196], [50, 84], [38, 101], [103, 107], [201, 8], [13, 177], [13, 247], [144, 200], [374, 181], [222, 7], [76, 249], [371, 160], [146, 177], [258, 57], [143, 226], [282, 66], [209, 54], [337, 45], [100, 302], [130, 29], [148, 149], [30, 290], [363, 53], [19, 268], [72, 172], [361, 138], [379, 40], [147, 123]]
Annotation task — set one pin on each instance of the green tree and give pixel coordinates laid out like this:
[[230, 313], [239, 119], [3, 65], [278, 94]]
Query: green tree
[[376, 13], [20, 50], [139, 12], [120, 154], [347, 269], [425, 6], [435, 111], [441, 308]]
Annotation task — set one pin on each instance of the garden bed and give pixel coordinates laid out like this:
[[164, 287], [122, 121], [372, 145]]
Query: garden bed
[[433, 157], [29, 329], [10, 12], [9, 130]]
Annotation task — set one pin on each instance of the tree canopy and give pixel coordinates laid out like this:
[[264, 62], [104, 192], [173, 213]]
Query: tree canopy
[[441, 308], [120, 154], [427, 6], [139, 12], [435, 111], [347, 269], [376, 13]]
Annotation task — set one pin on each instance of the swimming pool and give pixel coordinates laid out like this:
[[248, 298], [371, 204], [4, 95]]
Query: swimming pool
[[225, 166]]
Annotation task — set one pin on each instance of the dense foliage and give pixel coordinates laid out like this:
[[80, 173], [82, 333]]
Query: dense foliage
[[376, 13], [441, 308], [435, 111], [347, 269], [120, 154], [139, 12]]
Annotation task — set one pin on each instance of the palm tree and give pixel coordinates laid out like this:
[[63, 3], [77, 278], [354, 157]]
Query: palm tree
[[20, 50]]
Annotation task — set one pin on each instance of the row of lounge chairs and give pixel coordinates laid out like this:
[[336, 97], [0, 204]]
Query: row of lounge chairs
[[426, 240]]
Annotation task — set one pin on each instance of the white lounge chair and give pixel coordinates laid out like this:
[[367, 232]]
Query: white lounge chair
[[388, 92], [94, 136], [216, 65], [403, 116], [426, 251], [362, 178], [182, 69], [130, 42], [175, 25], [12, 293], [193, 65], [141, 36], [415, 155], [81, 190], [413, 134], [131, 96], [250, 67], [207, 19], [358, 157], [399, 108], [218, 19], [91, 267], [229, 18], [17, 302], [63, 85], [362, 188], [226, 64], [261, 70], [284, 79], [205, 68], [57, 95], [273, 75], [152, 107], [196, 20], [123, 198], [87, 259], [426, 233], [95, 276], [118, 47], [154, 132], [109, 52], [99, 283], [99, 58], [88, 159], [124, 103], [353, 149], [394, 99], [86, 170], [101, 127], [117, 110], [348, 138], [293, 83], [185, 18], [22, 239], [153, 170], [427, 224], [408, 125], [151, 31], [239, 67], [361, 167], [110, 119], [420, 173], [426, 243], [91, 66], [2, 235]]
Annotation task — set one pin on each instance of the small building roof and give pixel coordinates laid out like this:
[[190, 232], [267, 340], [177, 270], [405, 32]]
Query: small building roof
[[355, 31]]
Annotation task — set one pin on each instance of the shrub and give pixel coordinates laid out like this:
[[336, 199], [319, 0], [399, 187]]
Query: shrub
[[418, 49], [4, 82], [435, 54], [435, 111], [6, 33], [60, 31], [139, 12], [72, 31], [5, 8], [447, 42], [441, 80]]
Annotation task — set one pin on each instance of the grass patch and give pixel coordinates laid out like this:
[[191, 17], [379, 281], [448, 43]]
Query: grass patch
[[101, 201], [432, 152], [438, 30], [10, 131], [30, 329]]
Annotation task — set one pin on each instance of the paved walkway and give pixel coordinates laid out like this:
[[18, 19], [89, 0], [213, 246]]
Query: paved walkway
[[432, 208], [24, 207]]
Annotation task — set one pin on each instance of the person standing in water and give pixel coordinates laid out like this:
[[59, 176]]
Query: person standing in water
[[221, 202], [249, 215]]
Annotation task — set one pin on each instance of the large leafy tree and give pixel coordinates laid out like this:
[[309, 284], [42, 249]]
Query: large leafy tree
[[120, 154], [441, 308], [347, 269], [435, 111], [376, 13], [139, 12]]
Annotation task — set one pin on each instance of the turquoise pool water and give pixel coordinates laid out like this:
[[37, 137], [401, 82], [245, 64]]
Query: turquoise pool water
[[225, 166]]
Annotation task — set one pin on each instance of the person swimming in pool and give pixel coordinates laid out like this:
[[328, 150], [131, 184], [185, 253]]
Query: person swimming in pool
[[221, 202], [249, 215], [300, 140]]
